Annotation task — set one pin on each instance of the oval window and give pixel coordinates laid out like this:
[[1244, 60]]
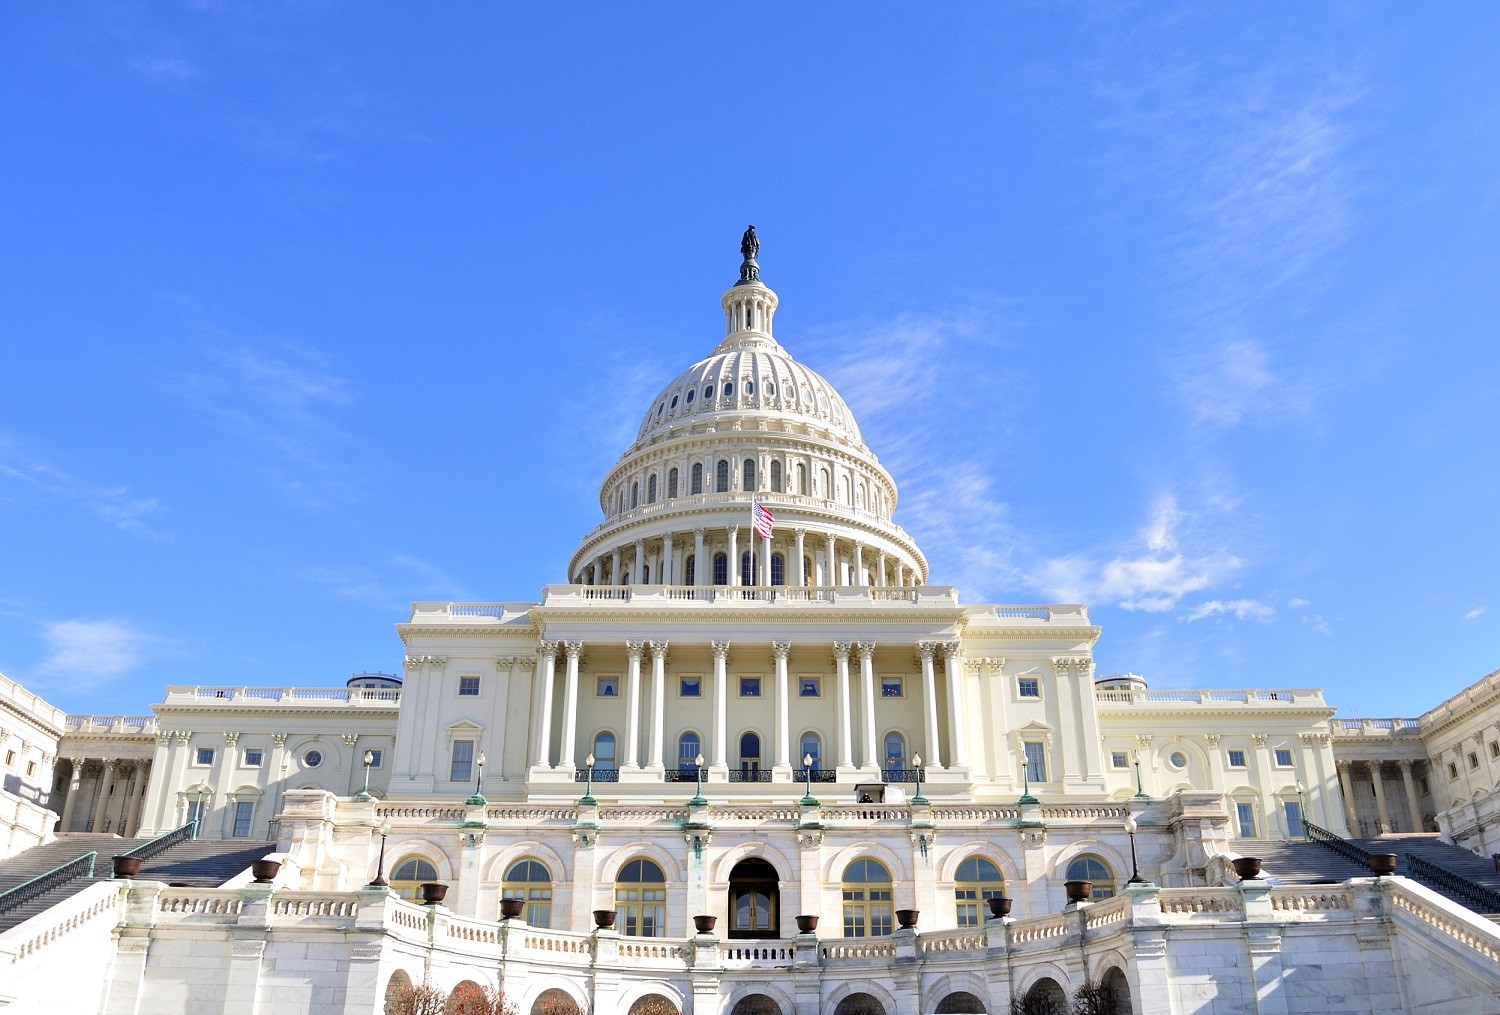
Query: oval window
[[674, 401], [690, 396], [1178, 759], [661, 408], [708, 392], [312, 759]]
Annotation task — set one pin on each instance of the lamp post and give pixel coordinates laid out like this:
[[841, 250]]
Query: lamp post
[[587, 800], [698, 800], [478, 800], [363, 796], [1301, 809], [916, 760], [1140, 792], [1135, 870], [380, 881], [1026, 797], [807, 797]]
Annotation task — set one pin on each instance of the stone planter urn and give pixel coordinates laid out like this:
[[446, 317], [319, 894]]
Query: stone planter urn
[[807, 925], [1000, 906], [705, 924], [907, 918], [1247, 867], [604, 919], [1079, 891], [433, 892], [1382, 864], [126, 866], [264, 871], [511, 908]]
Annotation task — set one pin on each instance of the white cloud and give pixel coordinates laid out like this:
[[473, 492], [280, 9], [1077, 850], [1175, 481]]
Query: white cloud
[[1475, 613], [1241, 608], [1298, 604], [92, 651], [391, 587], [114, 504]]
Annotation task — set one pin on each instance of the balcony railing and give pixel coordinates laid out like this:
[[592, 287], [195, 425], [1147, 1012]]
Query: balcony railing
[[750, 775], [600, 775]]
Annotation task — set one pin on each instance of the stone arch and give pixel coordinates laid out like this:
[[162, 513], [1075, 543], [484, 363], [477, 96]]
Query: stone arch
[[1040, 977], [861, 988], [953, 984], [718, 871], [961, 1002], [639, 993], [1117, 987], [555, 999], [759, 999], [466, 998], [948, 865], [395, 990], [407, 848], [495, 870], [860, 1003], [1117, 861], [609, 870], [833, 867]]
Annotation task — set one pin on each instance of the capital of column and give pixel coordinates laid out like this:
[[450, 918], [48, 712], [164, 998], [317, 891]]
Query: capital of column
[[780, 649], [110, 763], [633, 650], [841, 650], [698, 532], [1405, 764], [548, 650], [926, 650], [658, 650], [866, 650], [953, 649], [232, 738], [1259, 739], [574, 649], [279, 739], [720, 649]]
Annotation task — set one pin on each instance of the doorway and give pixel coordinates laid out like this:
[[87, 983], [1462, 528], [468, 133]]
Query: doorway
[[754, 900]]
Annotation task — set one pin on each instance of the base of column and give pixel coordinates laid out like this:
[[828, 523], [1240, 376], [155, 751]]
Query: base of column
[[781, 773], [717, 773]]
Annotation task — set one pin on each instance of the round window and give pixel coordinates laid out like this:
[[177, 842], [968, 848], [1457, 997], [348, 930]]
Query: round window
[[1178, 759], [312, 759]]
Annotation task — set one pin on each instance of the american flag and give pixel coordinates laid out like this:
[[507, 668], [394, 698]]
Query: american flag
[[761, 520]]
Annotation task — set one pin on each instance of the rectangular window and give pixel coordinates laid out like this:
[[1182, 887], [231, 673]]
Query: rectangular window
[[1036, 761], [690, 687], [203, 756], [461, 768], [1452, 770], [30, 768], [1245, 813], [1119, 759], [1283, 757], [890, 687], [1495, 748], [1293, 811], [10, 759], [1236, 759], [468, 687], [1473, 760], [607, 687], [375, 759], [244, 811], [254, 757], [1029, 687], [749, 687], [810, 687]]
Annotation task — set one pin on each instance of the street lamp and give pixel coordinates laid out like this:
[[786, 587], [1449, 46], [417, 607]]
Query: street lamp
[[380, 881], [807, 797], [698, 800], [1026, 797], [478, 800], [1135, 870], [587, 799], [916, 760], [1140, 792], [1301, 808], [363, 796]]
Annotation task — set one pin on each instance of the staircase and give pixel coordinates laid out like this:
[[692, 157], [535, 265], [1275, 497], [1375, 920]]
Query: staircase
[[1299, 862], [1479, 870], [196, 863]]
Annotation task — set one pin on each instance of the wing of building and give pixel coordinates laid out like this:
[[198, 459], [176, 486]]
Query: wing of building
[[722, 772]]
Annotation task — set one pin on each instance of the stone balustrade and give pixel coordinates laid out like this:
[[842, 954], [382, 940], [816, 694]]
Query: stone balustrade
[[1299, 697], [1376, 728], [114, 725], [285, 697]]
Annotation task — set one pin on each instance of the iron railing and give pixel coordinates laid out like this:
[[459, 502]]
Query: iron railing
[[1338, 844], [82, 867], [600, 775], [898, 774], [749, 775], [1477, 897], [681, 775], [159, 845]]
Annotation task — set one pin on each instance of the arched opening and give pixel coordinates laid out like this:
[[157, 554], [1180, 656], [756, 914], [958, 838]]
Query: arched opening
[[867, 899], [1117, 992], [689, 746], [671, 483], [468, 998], [754, 900], [721, 569], [1092, 868], [554, 1001], [690, 570], [641, 899], [977, 879], [605, 763], [807, 571], [811, 746], [960, 1002], [776, 477], [635, 494], [697, 479], [747, 568], [409, 874], [755, 1004], [651, 489], [653, 1004], [749, 474], [721, 476], [397, 991], [531, 882], [750, 757], [859, 1004], [1045, 998], [802, 479], [895, 756], [778, 569]]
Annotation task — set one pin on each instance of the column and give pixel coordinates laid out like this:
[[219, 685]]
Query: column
[[668, 564], [734, 555], [633, 705], [831, 570], [782, 748], [880, 569], [859, 565], [74, 779], [1347, 791], [765, 559], [1413, 805], [720, 757], [139, 811], [701, 566], [797, 577], [546, 670], [900, 574], [658, 702], [925, 650], [1379, 783], [866, 650], [276, 774], [638, 569], [574, 649], [614, 566], [106, 781], [958, 713], [845, 727]]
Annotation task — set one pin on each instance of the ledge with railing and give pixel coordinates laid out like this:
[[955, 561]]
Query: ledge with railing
[[35, 888], [1302, 697], [113, 725], [283, 697]]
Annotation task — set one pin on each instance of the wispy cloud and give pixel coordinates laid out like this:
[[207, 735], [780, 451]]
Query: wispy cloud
[[1475, 613], [1243, 609], [1298, 604], [164, 68], [390, 587], [88, 653], [116, 505]]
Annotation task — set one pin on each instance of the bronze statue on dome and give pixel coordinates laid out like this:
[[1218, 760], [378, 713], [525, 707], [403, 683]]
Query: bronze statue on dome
[[749, 247]]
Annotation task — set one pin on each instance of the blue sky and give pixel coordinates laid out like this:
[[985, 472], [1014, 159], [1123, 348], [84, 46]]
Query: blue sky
[[311, 310]]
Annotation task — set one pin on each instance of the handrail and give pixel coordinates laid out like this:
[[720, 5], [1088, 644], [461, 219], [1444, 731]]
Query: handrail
[[1477, 897], [159, 845], [1340, 845], [40, 885]]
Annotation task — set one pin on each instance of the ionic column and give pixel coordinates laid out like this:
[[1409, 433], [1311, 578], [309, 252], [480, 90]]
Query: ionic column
[[1413, 805], [546, 671], [658, 702], [831, 570], [574, 649], [866, 650], [1346, 789], [614, 566], [734, 555], [633, 705], [698, 562], [1379, 783], [74, 779], [782, 747], [640, 562], [958, 713], [859, 564], [845, 727], [106, 781], [720, 758], [925, 650], [668, 565], [799, 579]]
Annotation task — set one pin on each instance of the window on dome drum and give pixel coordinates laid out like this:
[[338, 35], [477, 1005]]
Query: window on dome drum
[[690, 395], [646, 574], [690, 687], [824, 485], [976, 880], [607, 687], [635, 494], [671, 484], [651, 490], [802, 479], [776, 477], [1029, 687], [641, 899], [1236, 759], [895, 754], [1244, 814], [1473, 761], [708, 393], [721, 476], [747, 569], [690, 570], [468, 687], [1119, 759], [811, 744], [749, 474], [749, 687], [807, 571], [203, 756], [750, 755], [1283, 757], [749, 387], [890, 687], [697, 478], [721, 569], [1452, 770], [531, 882], [778, 569], [1091, 868], [674, 402], [409, 874], [254, 757], [461, 761], [867, 899], [810, 687], [728, 390], [689, 746], [244, 813], [604, 752]]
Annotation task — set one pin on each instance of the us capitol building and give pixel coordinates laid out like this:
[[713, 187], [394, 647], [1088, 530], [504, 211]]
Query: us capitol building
[[720, 772]]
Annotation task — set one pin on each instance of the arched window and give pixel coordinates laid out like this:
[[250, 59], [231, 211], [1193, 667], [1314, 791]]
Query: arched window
[[721, 569], [697, 478], [645, 574], [689, 746], [867, 899], [749, 474], [651, 489], [977, 879], [754, 896], [825, 485], [778, 569], [802, 479], [807, 571], [690, 570], [671, 484], [635, 494], [747, 568], [604, 752], [555, 1000], [398, 990], [895, 755], [750, 756], [721, 476], [409, 874], [653, 1004], [811, 744], [1044, 998], [641, 899], [846, 494], [1092, 868], [961, 1002], [530, 881], [776, 477]]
